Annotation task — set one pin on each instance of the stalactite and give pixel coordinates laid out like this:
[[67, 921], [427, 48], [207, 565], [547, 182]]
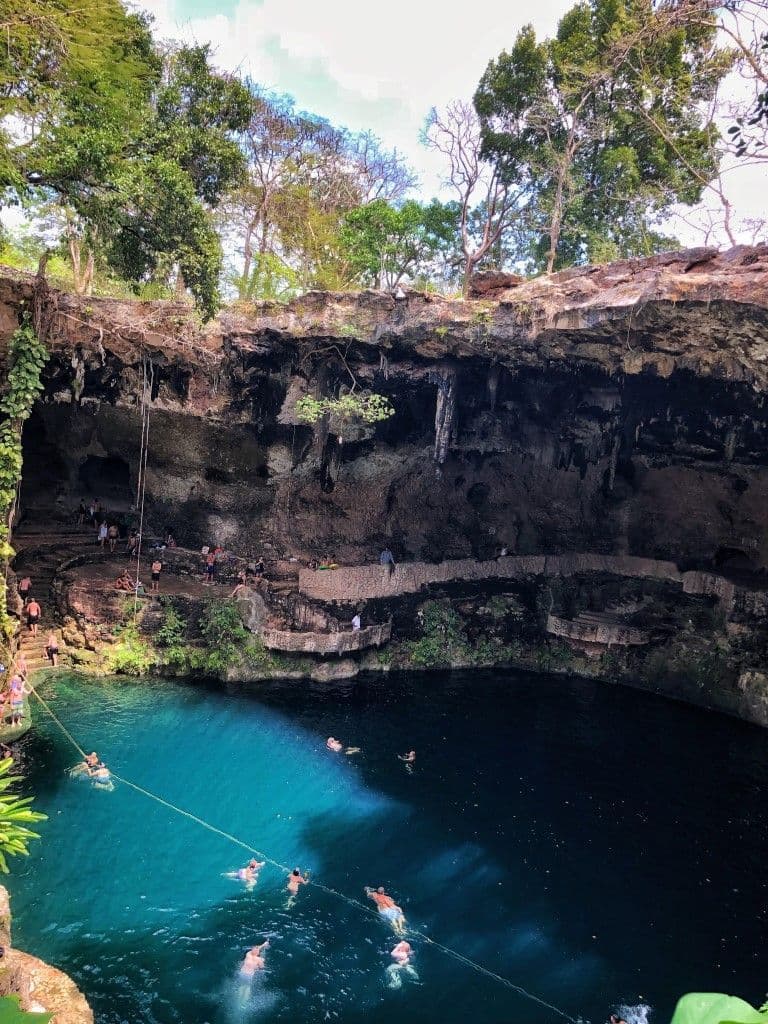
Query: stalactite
[[493, 386], [445, 413]]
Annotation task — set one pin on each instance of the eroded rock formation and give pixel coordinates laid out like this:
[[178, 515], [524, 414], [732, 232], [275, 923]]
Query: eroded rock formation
[[616, 410]]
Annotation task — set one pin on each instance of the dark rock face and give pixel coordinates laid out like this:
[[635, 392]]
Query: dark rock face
[[613, 410]]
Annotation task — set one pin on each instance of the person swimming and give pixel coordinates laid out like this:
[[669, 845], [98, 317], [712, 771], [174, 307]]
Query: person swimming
[[387, 907], [333, 744], [249, 874], [401, 954], [295, 879], [252, 965]]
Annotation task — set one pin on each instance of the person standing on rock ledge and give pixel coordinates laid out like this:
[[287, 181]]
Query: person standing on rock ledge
[[387, 562], [157, 568]]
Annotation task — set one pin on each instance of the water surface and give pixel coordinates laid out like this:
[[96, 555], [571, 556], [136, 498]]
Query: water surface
[[597, 846]]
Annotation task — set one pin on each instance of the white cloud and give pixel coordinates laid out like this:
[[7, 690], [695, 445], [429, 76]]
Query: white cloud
[[371, 67], [384, 67]]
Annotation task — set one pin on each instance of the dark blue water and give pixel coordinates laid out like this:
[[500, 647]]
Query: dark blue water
[[595, 845]]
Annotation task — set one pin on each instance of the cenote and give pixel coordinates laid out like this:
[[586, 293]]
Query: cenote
[[595, 845]]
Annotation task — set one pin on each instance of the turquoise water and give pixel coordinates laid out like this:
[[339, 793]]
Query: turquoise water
[[597, 846]]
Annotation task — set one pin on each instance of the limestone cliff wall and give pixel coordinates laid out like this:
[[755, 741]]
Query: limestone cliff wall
[[589, 421], [39, 986], [618, 409]]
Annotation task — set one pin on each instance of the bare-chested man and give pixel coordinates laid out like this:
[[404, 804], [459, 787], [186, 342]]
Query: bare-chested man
[[252, 965], [295, 879], [401, 954], [387, 907], [33, 616]]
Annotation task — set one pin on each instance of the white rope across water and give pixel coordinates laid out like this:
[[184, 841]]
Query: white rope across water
[[411, 932]]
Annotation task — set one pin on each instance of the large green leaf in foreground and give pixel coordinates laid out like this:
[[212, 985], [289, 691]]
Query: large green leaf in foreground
[[716, 1008], [10, 1013]]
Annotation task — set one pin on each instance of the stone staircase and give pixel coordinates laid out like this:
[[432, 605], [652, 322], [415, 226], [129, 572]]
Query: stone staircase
[[42, 545]]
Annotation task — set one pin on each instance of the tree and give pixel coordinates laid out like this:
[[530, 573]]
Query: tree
[[384, 243], [604, 124], [134, 145], [62, 61], [303, 174], [487, 199]]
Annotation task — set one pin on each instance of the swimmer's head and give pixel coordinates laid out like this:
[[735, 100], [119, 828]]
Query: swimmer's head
[[296, 871], [380, 889]]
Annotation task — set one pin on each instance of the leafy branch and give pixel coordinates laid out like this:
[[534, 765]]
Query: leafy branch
[[349, 408]]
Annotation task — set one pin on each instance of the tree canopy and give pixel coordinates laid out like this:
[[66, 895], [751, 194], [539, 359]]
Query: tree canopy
[[604, 125]]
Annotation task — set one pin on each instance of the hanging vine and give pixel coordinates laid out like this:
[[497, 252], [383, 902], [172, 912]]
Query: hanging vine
[[27, 356]]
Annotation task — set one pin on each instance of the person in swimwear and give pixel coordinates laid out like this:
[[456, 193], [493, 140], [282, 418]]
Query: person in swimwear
[[250, 873], [52, 649], [295, 879], [401, 954], [334, 744], [33, 616], [250, 967], [409, 758], [387, 908]]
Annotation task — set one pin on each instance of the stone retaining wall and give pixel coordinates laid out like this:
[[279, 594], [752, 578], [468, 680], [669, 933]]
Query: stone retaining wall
[[366, 582], [327, 643], [596, 632]]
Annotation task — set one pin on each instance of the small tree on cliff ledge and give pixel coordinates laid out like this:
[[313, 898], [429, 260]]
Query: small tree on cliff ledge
[[364, 408]]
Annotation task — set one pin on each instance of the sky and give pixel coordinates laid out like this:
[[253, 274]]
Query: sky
[[382, 67]]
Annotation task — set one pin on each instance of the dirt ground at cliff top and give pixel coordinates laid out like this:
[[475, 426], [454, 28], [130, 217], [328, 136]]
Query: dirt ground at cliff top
[[101, 576]]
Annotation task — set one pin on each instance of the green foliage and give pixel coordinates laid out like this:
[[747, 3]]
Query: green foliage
[[15, 815], [365, 407], [383, 242], [26, 358], [133, 146], [604, 126], [132, 655], [715, 1008], [225, 637], [11, 1013], [443, 637]]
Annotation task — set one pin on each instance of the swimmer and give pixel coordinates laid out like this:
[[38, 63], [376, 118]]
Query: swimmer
[[334, 744], [249, 874], [250, 967], [295, 879], [387, 907], [401, 954], [617, 1020], [409, 759], [352, 750]]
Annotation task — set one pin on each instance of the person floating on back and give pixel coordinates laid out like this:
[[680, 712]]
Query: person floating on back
[[387, 907]]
